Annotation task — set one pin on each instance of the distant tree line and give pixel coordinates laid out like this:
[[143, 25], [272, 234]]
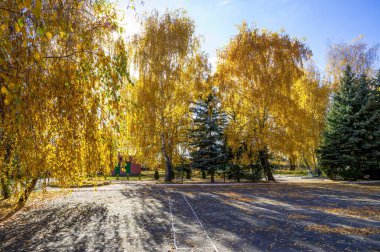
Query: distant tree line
[[350, 143]]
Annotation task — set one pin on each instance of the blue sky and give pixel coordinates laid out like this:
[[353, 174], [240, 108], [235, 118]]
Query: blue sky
[[321, 22]]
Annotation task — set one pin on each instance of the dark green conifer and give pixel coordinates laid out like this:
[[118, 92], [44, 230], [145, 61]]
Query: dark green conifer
[[207, 136]]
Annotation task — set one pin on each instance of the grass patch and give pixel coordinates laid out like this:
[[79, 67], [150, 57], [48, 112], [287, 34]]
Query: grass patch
[[145, 176], [291, 173], [82, 184]]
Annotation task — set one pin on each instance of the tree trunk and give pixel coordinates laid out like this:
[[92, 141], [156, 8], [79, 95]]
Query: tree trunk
[[212, 173], [269, 174], [22, 200], [315, 161], [238, 174], [5, 178], [119, 160], [252, 173], [28, 189], [265, 164], [168, 162], [188, 174], [292, 163], [306, 163], [203, 174], [168, 170]]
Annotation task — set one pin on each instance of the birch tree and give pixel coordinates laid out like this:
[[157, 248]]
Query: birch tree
[[256, 71], [60, 74], [171, 70]]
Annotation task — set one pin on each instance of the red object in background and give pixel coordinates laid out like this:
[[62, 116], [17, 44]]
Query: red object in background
[[135, 168]]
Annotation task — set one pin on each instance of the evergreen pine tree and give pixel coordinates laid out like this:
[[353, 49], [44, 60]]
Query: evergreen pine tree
[[360, 127], [207, 135], [368, 126], [351, 141], [338, 141]]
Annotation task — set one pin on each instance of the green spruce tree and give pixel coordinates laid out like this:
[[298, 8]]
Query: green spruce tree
[[336, 153], [351, 142], [368, 128], [207, 136]]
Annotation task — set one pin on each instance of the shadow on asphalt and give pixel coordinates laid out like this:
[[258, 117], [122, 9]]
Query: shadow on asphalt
[[270, 219], [255, 218]]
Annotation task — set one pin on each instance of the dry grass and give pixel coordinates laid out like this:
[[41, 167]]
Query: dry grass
[[300, 195], [236, 196], [366, 212], [343, 230], [85, 183], [36, 200], [298, 217], [6, 206]]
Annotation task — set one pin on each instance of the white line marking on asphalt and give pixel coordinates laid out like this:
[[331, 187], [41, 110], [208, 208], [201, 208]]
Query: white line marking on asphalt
[[171, 213], [200, 223]]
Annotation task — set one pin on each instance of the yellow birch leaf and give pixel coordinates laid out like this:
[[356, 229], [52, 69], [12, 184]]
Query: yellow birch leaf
[[4, 90], [28, 3], [9, 97], [37, 56], [48, 35], [37, 10], [20, 6], [17, 27]]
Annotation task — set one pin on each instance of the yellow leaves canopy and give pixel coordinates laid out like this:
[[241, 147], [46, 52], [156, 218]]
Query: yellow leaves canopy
[[256, 76], [171, 71], [56, 118]]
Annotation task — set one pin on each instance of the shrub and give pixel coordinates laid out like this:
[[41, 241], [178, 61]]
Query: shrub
[[203, 174], [156, 175], [188, 174]]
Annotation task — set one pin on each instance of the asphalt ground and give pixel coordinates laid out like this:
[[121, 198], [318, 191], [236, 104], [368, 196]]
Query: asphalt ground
[[249, 217]]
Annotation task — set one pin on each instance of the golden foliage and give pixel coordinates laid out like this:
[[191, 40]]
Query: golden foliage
[[59, 87], [171, 71], [273, 100]]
